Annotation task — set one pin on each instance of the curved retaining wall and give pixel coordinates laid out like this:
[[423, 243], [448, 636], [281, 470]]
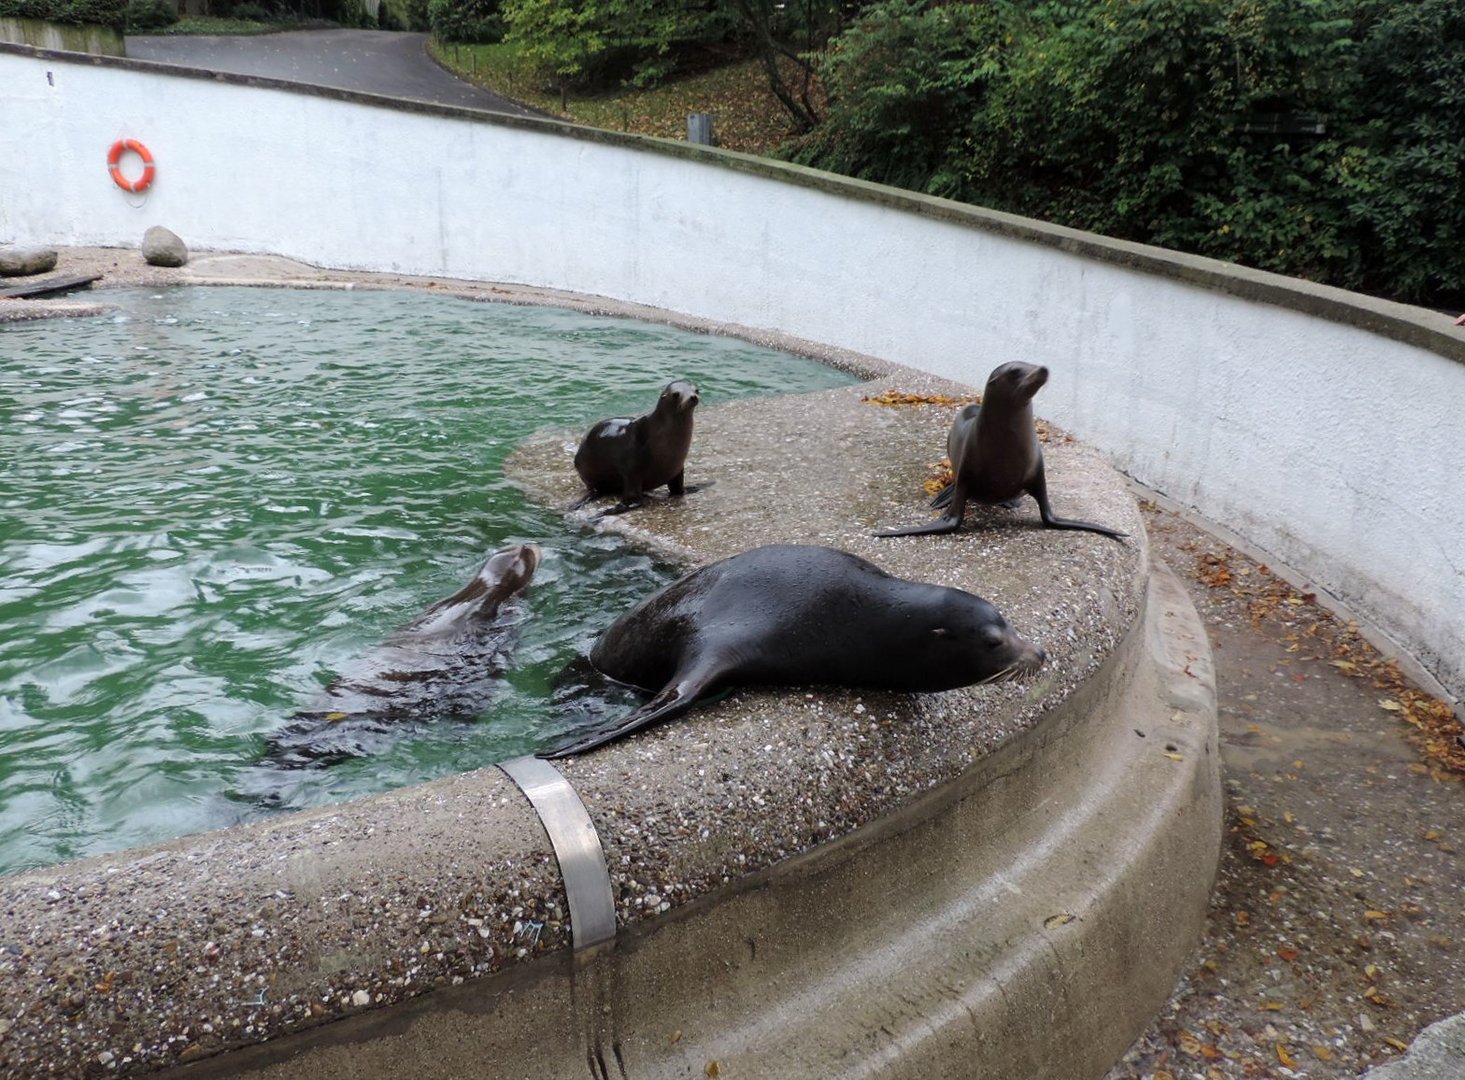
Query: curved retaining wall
[[1320, 425]]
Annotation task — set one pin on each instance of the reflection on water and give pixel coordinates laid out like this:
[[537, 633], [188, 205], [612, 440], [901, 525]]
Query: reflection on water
[[212, 499]]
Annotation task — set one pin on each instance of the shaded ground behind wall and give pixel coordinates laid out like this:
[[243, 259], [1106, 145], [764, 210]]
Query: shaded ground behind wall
[[1337, 927]]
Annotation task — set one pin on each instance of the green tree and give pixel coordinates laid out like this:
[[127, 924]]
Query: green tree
[[592, 41]]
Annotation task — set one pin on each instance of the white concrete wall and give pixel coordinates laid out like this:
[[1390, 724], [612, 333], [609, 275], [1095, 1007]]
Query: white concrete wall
[[1336, 449]]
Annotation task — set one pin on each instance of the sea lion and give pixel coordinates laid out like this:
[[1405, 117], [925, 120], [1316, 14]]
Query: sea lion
[[444, 663], [995, 456], [629, 456], [794, 615]]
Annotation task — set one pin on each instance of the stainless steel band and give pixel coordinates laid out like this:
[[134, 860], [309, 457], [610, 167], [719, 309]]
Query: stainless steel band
[[576, 846]]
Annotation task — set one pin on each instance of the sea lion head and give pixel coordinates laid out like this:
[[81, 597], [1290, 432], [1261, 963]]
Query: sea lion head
[[508, 571], [679, 396], [1014, 382], [977, 645]]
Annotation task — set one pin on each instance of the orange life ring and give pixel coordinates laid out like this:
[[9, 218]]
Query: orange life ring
[[148, 171]]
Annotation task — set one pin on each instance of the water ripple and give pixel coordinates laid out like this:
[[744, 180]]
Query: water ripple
[[214, 498]]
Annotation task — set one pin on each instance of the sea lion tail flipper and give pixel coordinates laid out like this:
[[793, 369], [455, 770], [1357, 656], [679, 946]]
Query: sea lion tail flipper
[[1039, 491], [677, 697], [581, 501]]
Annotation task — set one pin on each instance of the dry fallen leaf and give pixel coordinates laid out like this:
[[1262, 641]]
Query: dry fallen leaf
[[1284, 1056], [1062, 919]]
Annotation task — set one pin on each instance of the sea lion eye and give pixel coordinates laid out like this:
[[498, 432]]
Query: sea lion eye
[[992, 637]]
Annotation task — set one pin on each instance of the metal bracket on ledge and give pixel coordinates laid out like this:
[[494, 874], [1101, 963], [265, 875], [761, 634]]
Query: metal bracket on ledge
[[576, 846]]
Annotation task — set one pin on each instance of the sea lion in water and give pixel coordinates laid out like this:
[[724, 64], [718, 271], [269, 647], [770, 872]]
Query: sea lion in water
[[794, 615], [629, 456], [995, 456], [444, 663]]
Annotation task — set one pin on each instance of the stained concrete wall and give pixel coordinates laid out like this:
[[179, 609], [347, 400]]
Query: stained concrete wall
[[1321, 426], [49, 35]]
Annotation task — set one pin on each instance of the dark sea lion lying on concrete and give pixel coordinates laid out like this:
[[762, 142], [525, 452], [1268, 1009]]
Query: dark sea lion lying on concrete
[[444, 663], [629, 456], [792, 615], [995, 456]]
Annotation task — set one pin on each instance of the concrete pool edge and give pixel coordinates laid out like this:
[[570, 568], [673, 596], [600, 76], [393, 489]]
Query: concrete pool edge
[[900, 950], [410, 852]]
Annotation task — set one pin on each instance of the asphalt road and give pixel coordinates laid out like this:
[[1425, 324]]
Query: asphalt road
[[372, 61]]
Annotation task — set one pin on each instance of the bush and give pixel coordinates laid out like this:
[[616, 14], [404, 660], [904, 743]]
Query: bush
[[466, 21], [902, 84], [250, 12], [75, 12], [598, 42], [404, 15], [140, 16]]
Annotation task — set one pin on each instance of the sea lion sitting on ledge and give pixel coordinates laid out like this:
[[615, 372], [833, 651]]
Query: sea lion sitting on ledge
[[630, 456], [444, 663], [995, 456], [795, 615]]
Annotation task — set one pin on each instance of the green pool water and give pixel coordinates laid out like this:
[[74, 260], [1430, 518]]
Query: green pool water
[[213, 498]]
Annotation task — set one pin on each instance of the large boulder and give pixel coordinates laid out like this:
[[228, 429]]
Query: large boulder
[[22, 261], [162, 247]]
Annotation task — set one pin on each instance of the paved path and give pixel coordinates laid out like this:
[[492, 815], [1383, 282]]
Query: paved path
[[372, 61]]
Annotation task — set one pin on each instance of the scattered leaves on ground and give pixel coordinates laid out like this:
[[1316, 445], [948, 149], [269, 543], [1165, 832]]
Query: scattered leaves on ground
[[1317, 635], [900, 397]]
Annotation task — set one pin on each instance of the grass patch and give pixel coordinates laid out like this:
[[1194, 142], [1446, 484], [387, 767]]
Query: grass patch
[[746, 115]]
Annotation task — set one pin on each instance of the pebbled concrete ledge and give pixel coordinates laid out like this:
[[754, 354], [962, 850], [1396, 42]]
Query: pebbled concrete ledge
[[804, 881]]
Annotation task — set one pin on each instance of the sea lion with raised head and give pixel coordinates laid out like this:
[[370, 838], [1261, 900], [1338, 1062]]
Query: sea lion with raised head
[[629, 456], [445, 663], [995, 456], [795, 615]]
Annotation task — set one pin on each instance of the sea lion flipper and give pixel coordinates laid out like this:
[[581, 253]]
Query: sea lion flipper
[[1038, 489], [675, 698], [942, 498], [940, 525], [948, 522]]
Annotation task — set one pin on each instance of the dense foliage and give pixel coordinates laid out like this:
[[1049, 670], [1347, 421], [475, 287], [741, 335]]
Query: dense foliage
[[595, 41], [1323, 138], [74, 12], [466, 20], [144, 16]]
